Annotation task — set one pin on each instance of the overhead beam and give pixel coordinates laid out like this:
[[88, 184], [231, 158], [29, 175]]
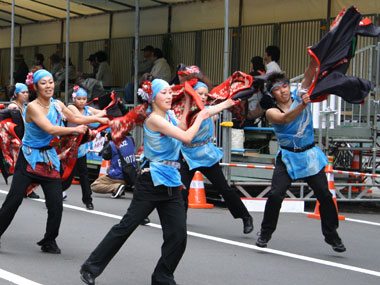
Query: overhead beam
[[96, 8], [55, 7], [122, 4], [26, 18], [30, 10]]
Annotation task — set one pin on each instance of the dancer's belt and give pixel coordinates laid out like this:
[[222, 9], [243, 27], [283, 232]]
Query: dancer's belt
[[301, 149], [192, 145], [171, 163]]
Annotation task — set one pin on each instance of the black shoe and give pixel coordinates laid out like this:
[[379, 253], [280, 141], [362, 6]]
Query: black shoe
[[50, 247], [262, 241], [336, 245], [33, 196], [145, 221], [248, 224], [90, 206], [87, 277]]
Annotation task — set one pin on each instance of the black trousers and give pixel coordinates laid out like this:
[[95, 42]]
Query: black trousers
[[81, 170], [170, 208], [215, 175], [281, 181], [52, 189]]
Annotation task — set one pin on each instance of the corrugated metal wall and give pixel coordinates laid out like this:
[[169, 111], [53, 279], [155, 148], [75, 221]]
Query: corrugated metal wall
[[204, 48], [254, 39], [121, 61], [294, 40], [183, 48], [212, 54]]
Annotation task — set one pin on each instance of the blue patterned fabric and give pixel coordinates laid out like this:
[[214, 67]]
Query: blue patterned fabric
[[159, 147], [298, 134], [205, 155], [35, 138]]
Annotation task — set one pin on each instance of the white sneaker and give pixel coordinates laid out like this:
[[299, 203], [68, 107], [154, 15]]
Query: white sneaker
[[64, 195], [119, 191]]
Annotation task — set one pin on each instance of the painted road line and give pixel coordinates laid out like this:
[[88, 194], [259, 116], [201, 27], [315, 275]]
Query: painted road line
[[16, 279], [235, 243]]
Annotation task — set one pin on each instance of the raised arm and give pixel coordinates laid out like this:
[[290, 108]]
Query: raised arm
[[309, 74], [78, 118], [213, 110], [34, 115], [158, 124], [275, 116]]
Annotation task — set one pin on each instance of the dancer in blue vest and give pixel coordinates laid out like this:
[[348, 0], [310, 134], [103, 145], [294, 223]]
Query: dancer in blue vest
[[157, 187], [202, 155], [38, 162], [79, 107], [298, 157]]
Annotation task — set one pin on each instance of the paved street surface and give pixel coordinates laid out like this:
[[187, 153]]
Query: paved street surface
[[217, 250]]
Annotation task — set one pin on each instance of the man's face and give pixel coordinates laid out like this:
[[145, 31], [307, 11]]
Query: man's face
[[148, 53], [281, 92]]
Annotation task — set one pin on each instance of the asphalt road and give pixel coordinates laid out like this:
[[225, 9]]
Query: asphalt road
[[217, 252]]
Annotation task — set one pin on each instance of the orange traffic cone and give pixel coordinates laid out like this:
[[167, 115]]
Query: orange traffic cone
[[355, 165], [103, 167], [197, 195], [331, 184]]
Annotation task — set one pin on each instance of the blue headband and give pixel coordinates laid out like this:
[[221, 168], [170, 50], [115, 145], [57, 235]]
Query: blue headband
[[157, 86], [20, 87], [80, 92], [40, 74], [200, 84], [277, 84]]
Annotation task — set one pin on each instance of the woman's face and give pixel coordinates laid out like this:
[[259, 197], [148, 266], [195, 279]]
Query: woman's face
[[23, 96], [203, 93], [45, 87], [80, 101], [163, 99]]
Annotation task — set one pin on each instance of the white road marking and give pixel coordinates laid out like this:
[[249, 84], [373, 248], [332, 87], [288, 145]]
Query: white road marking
[[240, 244], [16, 279]]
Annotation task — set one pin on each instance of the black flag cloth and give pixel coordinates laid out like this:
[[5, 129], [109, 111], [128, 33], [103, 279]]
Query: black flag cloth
[[333, 54]]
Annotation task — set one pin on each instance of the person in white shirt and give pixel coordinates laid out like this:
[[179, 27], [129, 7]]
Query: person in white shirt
[[271, 57], [161, 68], [104, 73]]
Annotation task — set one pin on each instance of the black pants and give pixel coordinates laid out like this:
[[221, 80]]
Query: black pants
[[52, 189], [81, 170], [215, 175], [170, 208], [281, 181]]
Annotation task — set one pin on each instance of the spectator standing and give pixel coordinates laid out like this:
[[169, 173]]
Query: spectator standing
[[257, 66], [161, 68], [104, 73], [271, 57], [22, 69]]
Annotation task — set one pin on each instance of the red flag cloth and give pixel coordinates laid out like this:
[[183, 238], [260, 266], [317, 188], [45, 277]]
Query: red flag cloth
[[121, 126]]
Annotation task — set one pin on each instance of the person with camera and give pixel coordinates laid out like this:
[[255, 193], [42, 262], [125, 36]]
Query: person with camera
[[114, 182]]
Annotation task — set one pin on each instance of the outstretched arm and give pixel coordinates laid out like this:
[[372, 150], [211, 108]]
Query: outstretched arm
[[309, 74]]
